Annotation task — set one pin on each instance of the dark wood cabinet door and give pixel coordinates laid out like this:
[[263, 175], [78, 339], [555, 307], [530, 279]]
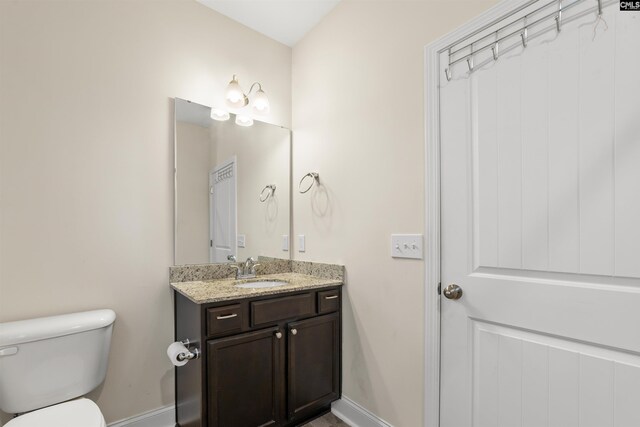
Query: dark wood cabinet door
[[246, 379], [313, 364]]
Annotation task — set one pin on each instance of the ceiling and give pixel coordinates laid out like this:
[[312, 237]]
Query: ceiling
[[286, 21]]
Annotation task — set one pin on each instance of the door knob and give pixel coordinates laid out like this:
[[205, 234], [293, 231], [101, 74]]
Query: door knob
[[294, 331], [278, 334], [453, 291]]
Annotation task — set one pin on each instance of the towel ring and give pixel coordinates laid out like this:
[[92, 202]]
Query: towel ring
[[267, 191], [315, 179]]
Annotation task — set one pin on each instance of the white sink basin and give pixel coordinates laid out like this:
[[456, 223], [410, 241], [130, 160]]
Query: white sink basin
[[262, 284]]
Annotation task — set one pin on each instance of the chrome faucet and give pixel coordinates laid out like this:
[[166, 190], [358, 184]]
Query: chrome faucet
[[246, 271], [249, 265]]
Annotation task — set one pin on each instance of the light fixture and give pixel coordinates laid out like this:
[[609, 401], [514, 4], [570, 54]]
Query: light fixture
[[236, 98], [234, 95], [244, 120], [261, 102], [220, 115]]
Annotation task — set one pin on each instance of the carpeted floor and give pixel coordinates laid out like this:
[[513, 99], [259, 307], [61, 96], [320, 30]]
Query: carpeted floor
[[327, 420]]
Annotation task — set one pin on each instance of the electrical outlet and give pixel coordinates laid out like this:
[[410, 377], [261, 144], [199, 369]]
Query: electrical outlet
[[241, 241], [285, 242], [301, 243]]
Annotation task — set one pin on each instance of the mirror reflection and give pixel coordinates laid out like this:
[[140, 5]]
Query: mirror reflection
[[232, 187]]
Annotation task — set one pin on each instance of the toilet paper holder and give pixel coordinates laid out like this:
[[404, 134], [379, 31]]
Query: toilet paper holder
[[190, 354]]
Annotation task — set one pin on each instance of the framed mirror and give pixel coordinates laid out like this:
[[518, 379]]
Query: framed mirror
[[232, 187]]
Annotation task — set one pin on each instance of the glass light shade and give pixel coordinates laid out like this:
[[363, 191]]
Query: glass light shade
[[234, 95], [220, 115], [244, 120], [261, 102]]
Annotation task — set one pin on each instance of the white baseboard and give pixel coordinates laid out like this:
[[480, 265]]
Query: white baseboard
[[346, 409], [355, 415], [162, 417]]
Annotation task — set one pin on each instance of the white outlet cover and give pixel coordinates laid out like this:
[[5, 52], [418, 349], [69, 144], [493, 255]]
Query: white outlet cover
[[301, 243], [242, 240], [285, 242], [407, 246]]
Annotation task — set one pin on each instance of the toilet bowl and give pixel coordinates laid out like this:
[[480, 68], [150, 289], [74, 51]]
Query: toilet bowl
[[47, 364], [76, 413]]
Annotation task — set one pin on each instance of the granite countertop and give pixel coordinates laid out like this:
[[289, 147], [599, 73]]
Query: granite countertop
[[207, 291]]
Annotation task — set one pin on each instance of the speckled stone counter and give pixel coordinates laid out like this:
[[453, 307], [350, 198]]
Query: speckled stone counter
[[204, 272], [208, 291]]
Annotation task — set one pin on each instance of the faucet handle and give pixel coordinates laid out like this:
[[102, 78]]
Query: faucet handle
[[232, 258], [253, 267]]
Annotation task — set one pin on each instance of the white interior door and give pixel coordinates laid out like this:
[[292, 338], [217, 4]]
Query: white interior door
[[540, 228], [223, 211]]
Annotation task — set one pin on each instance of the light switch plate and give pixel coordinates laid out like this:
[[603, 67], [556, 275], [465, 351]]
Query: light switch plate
[[285, 242], [241, 240], [301, 243], [406, 246]]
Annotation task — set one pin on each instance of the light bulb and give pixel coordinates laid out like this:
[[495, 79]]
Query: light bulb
[[244, 120], [234, 95], [261, 102], [220, 115]]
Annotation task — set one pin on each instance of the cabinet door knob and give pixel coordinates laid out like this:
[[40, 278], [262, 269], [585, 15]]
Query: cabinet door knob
[[294, 331], [278, 334]]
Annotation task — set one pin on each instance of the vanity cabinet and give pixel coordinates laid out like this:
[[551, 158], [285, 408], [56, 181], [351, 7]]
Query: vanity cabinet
[[244, 374], [265, 361], [313, 364]]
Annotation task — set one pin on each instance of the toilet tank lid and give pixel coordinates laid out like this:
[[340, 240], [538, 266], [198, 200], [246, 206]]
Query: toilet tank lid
[[23, 331]]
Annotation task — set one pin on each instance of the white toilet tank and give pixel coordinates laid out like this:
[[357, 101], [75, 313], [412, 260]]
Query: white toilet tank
[[50, 360]]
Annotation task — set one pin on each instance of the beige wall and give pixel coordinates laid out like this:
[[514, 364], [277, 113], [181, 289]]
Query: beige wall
[[358, 121], [86, 158]]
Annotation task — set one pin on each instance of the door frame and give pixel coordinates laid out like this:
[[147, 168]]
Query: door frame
[[432, 72]]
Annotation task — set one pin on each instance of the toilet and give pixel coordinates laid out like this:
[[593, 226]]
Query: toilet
[[48, 364]]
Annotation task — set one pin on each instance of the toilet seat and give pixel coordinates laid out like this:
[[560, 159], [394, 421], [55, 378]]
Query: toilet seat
[[75, 413]]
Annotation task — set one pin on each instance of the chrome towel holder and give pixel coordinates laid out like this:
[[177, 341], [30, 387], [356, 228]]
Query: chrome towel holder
[[315, 179], [267, 191]]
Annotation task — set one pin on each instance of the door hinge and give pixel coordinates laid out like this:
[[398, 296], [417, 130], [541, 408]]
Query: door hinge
[[211, 245], [440, 288]]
